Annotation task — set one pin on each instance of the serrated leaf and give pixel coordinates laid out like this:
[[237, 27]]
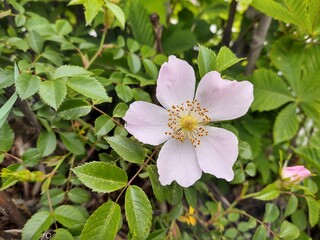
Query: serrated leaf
[[117, 12], [56, 197], [62, 233], [270, 91], [127, 148], [313, 210], [101, 177], [35, 41], [73, 109], [73, 143], [37, 224], [158, 189], [53, 57], [19, 43], [92, 7], [226, 58], [27, 85], [291, 205], [103, 125], [7, 137], [286, 124], [140, 23], [53, 92], [271, 213], [70, 71], [103, 223], [6, 79], [124, 92], [206, 60], [138, 212], [311, 155], [268, 193], [289, 230], [89, 87], [69, 216], [46, 143], [79, 195], [63, 27]]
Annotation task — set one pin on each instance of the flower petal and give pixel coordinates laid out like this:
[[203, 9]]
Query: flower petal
[[177, 161], [217, 152], [176, 82], [224, 99], [147, 122]]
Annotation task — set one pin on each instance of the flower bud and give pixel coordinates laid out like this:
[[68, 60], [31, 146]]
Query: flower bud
[[295, 174]]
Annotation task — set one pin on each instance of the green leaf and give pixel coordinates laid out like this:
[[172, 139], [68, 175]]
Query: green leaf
[[179, 41], [27, 85], [138, 212], [311, 109], [20, 20], [158, 189], [35, 41], [139, 20], [271, 213], [62, 233], [251, 169], [53, 92], [286, 124], [120, 110], [311, 155], [63, 27], [134, 62], [69, 216], [70, 71], [73, 109], [73, 143], [46, 143], [151, 68], [288, 55], [313, 210], [56, 197], [117, 12], [268, 193], [5, 109], [270, 92], [19, 43], [53, 57], [127, 148], [260, 233], [226, 59], [289, 231], [124, 92], [89, 87], [79, 195], [92, 7], [38, 223], [103, 223], [103, 125], [140, 95], [133, 45], [206, 60], [7, 137], [101, 177], [291, 205], [6, 79]]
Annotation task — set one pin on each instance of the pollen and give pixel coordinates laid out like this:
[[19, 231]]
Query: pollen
[[188, 121]]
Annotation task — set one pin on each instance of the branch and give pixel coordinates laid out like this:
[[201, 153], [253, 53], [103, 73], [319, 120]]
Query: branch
[[226, 37]]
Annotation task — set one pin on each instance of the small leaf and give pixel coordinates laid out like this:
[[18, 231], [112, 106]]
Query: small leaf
[[56, 197], [151, 68], [6, 137], [271, 213], [89, 87], [289, 231], [70, 71], [138, 212], [27, 85], [226, 59], [79, 195], [63, 27], [127, 148], [286, 124], [117, 12], [38, 223], [73, 143], [5, 109], [6, 79], [35, 41], [291, 205], [103, 223], [47, 143], [134, 63], [206, 60], [69, 216], [124, 92], [103, 125], [311, 155], [73, 109], [268, 193], [53, 92], [314, 210], [62, 233], [260, 233], [120, 110], [158, 189], [101, 177], [92, 8]]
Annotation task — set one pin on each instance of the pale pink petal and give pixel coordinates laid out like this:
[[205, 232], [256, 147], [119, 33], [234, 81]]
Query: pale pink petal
[[177, 161], [147, 122], [224, 99], [176, 82], [217, 153]]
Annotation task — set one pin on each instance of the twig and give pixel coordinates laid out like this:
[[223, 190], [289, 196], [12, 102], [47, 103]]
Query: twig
[[226, 37]]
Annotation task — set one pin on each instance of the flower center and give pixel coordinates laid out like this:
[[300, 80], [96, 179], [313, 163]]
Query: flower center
[[187, 120]]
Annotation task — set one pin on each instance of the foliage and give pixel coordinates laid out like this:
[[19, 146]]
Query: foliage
[[68, 73]]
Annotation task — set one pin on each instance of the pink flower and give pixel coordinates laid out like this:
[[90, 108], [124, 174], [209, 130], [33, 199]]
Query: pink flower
[[295, 174], [191, 145]]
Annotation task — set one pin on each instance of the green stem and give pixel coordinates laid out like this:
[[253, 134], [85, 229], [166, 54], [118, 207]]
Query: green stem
[[100, 49]]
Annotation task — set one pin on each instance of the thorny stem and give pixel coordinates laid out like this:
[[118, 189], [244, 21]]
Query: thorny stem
[[137, 173]]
